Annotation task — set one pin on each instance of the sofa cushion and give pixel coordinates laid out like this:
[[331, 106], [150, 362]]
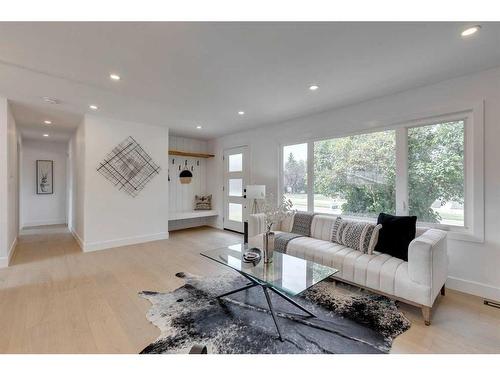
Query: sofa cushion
[[321, 227], [396, 234], [358, 235]]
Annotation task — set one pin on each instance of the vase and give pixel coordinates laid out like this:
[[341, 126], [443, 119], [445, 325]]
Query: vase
[[268, 247]]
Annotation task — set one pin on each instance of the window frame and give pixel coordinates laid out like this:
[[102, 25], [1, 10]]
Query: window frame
[[473, 117]]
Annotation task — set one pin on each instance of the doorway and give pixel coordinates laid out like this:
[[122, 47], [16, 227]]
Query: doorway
[[235, 182]]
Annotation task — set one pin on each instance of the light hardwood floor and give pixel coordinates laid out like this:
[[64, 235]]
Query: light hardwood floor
[[56, 299]]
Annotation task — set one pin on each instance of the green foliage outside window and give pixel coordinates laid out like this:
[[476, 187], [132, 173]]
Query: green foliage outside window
[[360, 171]]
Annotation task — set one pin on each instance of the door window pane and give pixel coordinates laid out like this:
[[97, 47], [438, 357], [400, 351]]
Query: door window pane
[[295, 175], [355, 175], [236, 212], [236, 163], [235, 187], [436, 173]]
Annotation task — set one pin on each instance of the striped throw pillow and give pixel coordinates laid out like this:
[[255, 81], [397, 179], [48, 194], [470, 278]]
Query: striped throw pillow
[[357, 235]]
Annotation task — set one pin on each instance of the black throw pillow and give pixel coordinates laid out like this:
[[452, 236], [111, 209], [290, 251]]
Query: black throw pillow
[[396, 234]]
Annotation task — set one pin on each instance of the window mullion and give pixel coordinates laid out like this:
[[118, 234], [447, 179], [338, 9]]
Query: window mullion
[[310, 176], [402, 171]]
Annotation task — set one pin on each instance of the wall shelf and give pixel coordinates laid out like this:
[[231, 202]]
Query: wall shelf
[[190, 154]]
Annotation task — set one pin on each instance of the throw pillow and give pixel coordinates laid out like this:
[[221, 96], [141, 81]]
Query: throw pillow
[[396, 234], [203, 202], [357, 235]]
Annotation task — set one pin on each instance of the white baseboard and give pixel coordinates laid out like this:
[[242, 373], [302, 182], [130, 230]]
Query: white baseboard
[[44, 222], [101, 245], [12, 250], [473, 287], [78, 240], [5, 261]]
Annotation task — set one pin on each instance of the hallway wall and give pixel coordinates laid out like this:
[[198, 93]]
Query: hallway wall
[[43, 209], [9, 208]]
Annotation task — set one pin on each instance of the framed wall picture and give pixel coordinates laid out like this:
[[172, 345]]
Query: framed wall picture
[[44, 177]]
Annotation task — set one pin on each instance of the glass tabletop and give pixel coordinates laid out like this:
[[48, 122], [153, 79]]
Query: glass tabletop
[[287, 273]]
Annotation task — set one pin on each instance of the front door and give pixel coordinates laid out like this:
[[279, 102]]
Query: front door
[[235, 181]]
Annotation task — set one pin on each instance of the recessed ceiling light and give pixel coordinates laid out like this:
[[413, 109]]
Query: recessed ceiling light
[[47, 122], [198, 126], [471, 30], [48, 99], [45, 135], [114, 77], [313, 87], [241, 113], [93, 107]]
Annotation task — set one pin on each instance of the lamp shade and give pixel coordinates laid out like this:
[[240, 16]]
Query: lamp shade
[[256, 191]]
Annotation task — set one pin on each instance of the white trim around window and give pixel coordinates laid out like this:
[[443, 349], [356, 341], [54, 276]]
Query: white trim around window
[[473, 117]]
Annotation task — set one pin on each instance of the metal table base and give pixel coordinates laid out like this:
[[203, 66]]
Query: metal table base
[[253, 283]]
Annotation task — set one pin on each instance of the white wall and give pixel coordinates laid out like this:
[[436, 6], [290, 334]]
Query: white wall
[[112, 217], [473, 266], [41, 209], [9, 198], [76, 183], [3, 184]]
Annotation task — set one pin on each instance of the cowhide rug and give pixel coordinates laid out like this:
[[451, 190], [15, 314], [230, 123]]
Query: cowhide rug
[[348, 320]]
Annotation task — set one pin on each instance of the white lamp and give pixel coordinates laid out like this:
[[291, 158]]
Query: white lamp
[[256, 192]]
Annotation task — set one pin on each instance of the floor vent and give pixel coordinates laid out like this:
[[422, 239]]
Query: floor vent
[[492, 304]]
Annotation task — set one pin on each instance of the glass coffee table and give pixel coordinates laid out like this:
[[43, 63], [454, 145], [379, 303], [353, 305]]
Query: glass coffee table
[[285, 276]]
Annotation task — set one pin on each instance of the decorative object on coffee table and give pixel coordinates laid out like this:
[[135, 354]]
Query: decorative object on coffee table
[[128, 167], [268, 246], [44, 177], [274, 213], [253, 255]]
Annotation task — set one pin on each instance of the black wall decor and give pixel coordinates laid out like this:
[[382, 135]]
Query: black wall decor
[[129, 167], [44, 177], [186, 171]]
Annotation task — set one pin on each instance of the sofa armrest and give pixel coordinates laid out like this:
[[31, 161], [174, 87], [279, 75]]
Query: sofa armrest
[[256, 224], [428, 260]]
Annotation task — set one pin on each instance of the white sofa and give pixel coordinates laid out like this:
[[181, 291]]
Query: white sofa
[[417, 282]]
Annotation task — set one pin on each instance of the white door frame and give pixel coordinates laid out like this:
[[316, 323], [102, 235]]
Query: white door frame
[[244, 174]]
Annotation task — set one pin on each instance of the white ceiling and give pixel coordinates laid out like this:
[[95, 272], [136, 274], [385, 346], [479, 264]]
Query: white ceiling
[[183, 74], [30, 119]]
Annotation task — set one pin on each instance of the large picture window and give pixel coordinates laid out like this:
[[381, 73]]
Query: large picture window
[[295, 175], [355, 176], [436, 178], [418, 169]]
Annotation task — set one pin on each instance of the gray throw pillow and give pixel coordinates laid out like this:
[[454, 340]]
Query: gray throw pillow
[[357, 235]]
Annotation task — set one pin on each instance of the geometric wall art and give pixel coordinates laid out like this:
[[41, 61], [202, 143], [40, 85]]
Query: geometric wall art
[[128, 167]]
